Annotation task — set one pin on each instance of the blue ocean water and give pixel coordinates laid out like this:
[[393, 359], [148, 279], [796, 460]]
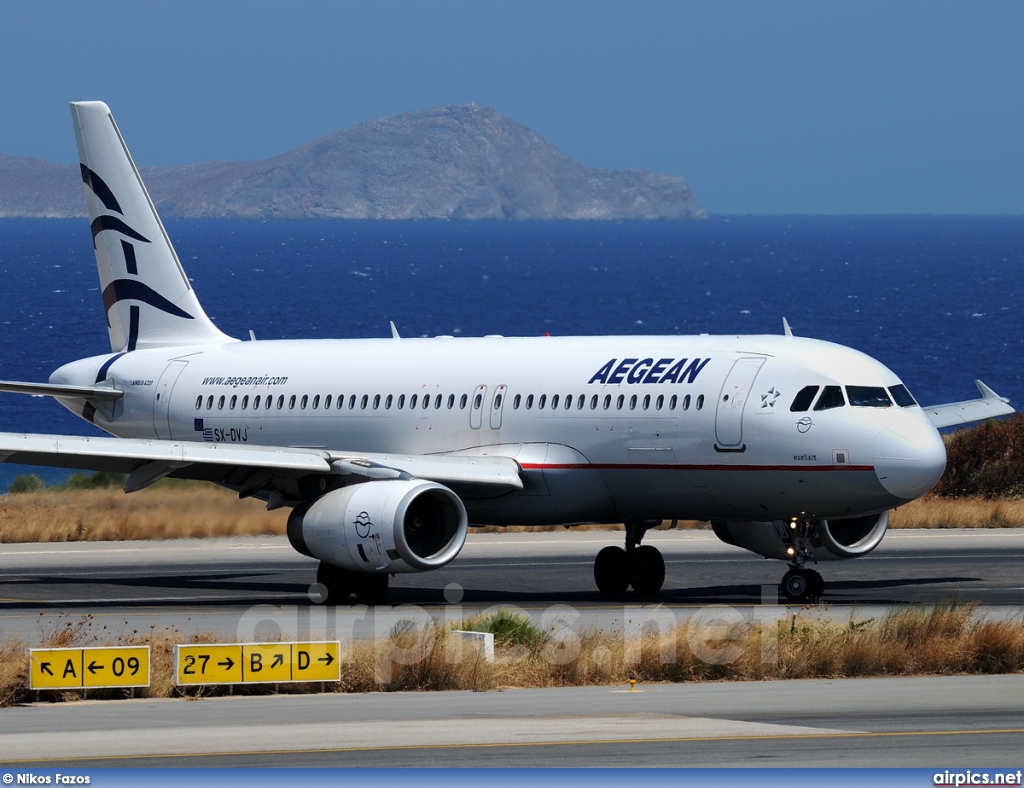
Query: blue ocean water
[[936, 298]]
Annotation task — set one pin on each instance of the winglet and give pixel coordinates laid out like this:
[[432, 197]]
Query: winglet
[[987, 393]]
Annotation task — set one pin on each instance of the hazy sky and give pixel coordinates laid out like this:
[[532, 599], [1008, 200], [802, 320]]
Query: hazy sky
[[765, 107]]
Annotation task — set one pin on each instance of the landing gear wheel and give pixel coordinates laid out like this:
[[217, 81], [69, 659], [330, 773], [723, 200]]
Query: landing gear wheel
[[612, 571], [649, 570], [802, 585], [337, 582], [816, 584], [370, 589]]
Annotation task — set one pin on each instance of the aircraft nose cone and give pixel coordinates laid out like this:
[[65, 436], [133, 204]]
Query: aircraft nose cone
[[909, 459]]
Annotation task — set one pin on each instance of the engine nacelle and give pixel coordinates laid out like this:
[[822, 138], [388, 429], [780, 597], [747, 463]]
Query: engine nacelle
[[850, 537], [382, 527]]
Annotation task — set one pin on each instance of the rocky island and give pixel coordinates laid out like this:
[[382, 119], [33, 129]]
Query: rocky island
[[458, 162]]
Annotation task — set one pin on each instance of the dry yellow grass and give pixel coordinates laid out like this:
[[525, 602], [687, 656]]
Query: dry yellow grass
[[161, 512], [935, 512], [197, 510], [943, 639]]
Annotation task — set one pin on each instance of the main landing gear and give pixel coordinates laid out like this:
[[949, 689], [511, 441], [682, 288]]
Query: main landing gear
[[341, 584], [800, 584], [639, 566]]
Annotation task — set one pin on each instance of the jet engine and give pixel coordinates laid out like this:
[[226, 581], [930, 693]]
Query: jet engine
[[382, 527], [849, 537]]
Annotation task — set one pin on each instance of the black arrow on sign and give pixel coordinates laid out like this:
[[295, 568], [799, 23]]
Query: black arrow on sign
[[44, 667], [227, 664], [278, 660], [93, 667], [326, 660]]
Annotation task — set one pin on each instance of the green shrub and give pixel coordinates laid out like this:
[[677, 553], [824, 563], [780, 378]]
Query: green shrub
[[25, 482]]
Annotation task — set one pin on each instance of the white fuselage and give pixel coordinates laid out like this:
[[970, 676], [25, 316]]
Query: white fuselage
[[605, 428]]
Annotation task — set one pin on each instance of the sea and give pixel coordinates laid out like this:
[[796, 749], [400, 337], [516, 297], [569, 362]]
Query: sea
[[938, 299]]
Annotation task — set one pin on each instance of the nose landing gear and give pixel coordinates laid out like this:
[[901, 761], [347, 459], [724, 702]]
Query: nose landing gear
[[801, 585], [639, 566]]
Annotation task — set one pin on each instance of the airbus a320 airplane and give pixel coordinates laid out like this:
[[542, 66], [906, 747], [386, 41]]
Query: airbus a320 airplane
[[386, 449]]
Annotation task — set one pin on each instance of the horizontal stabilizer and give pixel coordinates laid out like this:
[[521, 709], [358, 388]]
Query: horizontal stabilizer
[[988, 407], [93, 393]]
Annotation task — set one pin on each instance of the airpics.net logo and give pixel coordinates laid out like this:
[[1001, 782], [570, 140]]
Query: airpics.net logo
[[968, 777]]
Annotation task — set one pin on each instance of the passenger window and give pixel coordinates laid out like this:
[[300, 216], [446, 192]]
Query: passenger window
[[632, 402], [401, 401], [209, 402], [376, 401], [462, 402], [304, 401], [620, 402], [437, 401], [412, 401], [497, 402], [660, 402], [316, 401], [517, 401], [580, 402], [529, 401], [478, 401], [700, 402], [902, 397], [672, 402], [686, 402], [831, 397], [327, 402], [199, 402], [647, 401], [234, 401], [364, 402], [291, 402], [568, 401], [245, 402], [426, 401], [352, 402], [802, 401], [256, 403], [554, 402], [868, 397], [593, 402], [280, 401], [607, 401], [451, 401], [341, 401], [542, 401], [387, 402]]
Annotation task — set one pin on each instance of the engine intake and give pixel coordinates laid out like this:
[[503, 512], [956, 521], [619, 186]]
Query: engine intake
[[849, 537], [382, 527]]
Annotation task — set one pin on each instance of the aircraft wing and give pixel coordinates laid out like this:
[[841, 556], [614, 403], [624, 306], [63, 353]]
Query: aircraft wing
[[247, 467], [989, 406]]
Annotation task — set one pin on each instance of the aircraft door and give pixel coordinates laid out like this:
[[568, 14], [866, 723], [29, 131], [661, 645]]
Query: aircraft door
[[162, 398], [496, 406], [729, 417], [476, 408]]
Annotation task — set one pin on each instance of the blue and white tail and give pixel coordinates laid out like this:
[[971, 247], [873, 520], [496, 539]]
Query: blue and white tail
[[148, 299]]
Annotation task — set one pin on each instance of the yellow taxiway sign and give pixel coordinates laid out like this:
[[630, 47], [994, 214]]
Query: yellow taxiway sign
[[257, 663], [78, 668]]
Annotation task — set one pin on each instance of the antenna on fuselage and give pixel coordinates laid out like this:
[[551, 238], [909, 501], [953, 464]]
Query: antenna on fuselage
[[394, 331], [786, 329]]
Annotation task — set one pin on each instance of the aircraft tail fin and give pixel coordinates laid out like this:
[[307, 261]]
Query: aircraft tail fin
[[148, 300]]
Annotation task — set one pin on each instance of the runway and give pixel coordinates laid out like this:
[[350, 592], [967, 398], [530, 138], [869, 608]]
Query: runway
[[255, 589], [259, 588], [932, 722]]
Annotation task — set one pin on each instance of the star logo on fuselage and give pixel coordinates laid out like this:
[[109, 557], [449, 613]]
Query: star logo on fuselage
[[769, 398]]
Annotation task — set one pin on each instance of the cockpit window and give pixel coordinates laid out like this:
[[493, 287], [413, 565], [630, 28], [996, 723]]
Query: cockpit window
[[803, 399], [831, 397], [868, 397], [902, 397]]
